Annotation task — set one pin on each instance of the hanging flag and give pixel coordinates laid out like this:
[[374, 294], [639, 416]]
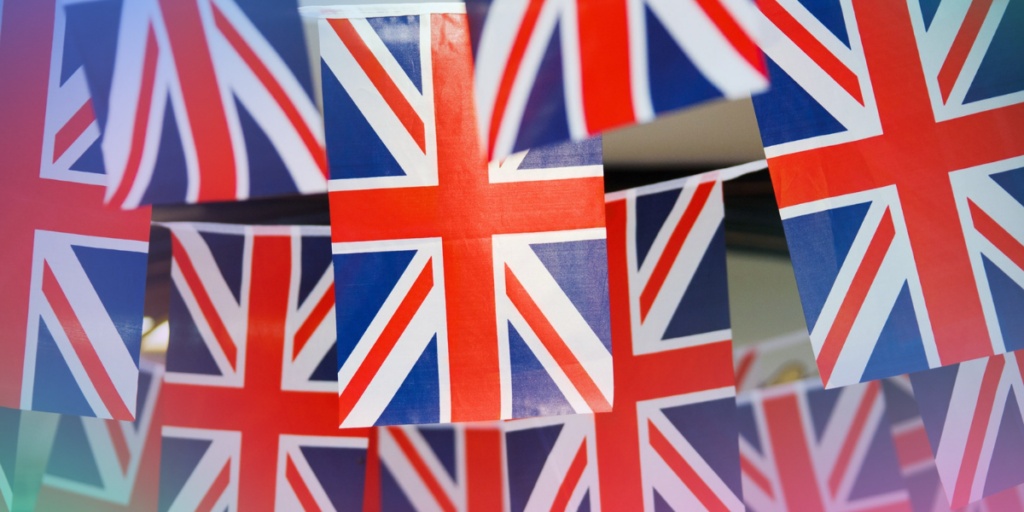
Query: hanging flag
[[249, 393], [809, 449], [200, 100], [896, 161], [972, 413], [73, 273], [10, 422], [466, 292], [778, 360], [549, 71], [99, 465]]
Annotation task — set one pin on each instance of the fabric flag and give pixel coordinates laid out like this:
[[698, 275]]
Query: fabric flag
[[894, 133], [466, 292], [972, 413], [249, 404], [10, 421], [99, 465], [200, 100], [552, 464], [778, 360], [550, 71], [811, 449], [74, 270]]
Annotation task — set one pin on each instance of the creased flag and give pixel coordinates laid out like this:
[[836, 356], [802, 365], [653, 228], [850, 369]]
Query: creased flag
[[249, 393], [200, 100], [466, 291], [73, 273], [894, 132]]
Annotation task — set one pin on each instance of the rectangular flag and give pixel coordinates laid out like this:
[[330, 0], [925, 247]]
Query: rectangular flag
[[73, 273], [552, 70], [466, 291], [778, 360], [894, 133], [249, 393], [199, 100]]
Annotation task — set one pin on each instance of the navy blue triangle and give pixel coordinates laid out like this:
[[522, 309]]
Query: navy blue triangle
[[354, 150], [1005, 469], [899, 403], [142, 394], [94, 28], [341, 472], [280, 25], [818, 244], [442, 443], [1012, 182], [584, 503], [674, 81], [55, 388], [933, 390], [899, 348], [169, 183], [651, 212], [91, 160], [10, 423], [327, 370], [705, 304], [401, 35], [178, 458], [821, 403], [268, 174], [545, 118], [418, 400], [527, 451], [70, 61], [880, 470], [392, 498], [660, 505], [71, 456], [747, 425], [1001, 71], [1008, 297], [186, 351], [581, 270], [928, 9], [787, 113], [119, 278], [362, 283], [830, 14], [711, 428], [565, 154], [228, 252], [534, 393], [316, 257]]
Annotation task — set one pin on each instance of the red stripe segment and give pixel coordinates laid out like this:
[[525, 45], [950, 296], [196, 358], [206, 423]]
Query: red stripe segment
[[73, 129], [912, 446], [732, 31], [484, 475], [674, 245], [139, 127], [210, 314], [508, 77], [749, 470], [381, 80], [604, 63], [810, 45], [216, 490], [82, 346], [421, 468], [386, 342], [549, 337], [860, 419], [571, 480], [792, 455], [744, 367], [124, 456], [316, 317], [976, 436], [298, 485], [859, 287], [962, 44], [689, 476], [995, 233]]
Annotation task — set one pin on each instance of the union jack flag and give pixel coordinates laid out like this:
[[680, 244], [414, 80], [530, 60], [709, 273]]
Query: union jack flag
[[552, 464], [972, 413], [107, 465], [466, 291], [249, 393], [553, 70], [200, 100], [10, 425], [894, 133], [810, 449], [75, 271]]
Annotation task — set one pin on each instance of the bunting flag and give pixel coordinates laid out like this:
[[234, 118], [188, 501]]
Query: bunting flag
[[465, 291], [894, 133], [815, 450], [972, 413], [200, 100], [73, 273], [101, 465], [249, 404], [778, 360], [10, 422], [553, 70]]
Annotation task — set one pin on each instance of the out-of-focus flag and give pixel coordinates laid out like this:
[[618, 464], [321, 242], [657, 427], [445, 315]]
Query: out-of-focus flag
[[73, 273], [99, 465], [249, 393], [778, 360], [810, 449], [552, 70], [200, 100], [466, 291], [10, 421], [894, 133]]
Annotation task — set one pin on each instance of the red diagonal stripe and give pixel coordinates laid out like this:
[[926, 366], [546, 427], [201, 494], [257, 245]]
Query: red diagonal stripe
[[195, 284], [976, 436], [316, 317], [810, 45], [381, 80], [571, 480], [421, 468], [124, 456], [744, 367], [508, 77], [689, 476], [859, 287], [73, 129], [962, 44], [82, 346], [750, 470], [853, 435], [139, 128], [386, 342], [672, 248], [299, 486], [554, 343], [732, 31], [912, 446], [273, 87], [995, 233], [220, 484]]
